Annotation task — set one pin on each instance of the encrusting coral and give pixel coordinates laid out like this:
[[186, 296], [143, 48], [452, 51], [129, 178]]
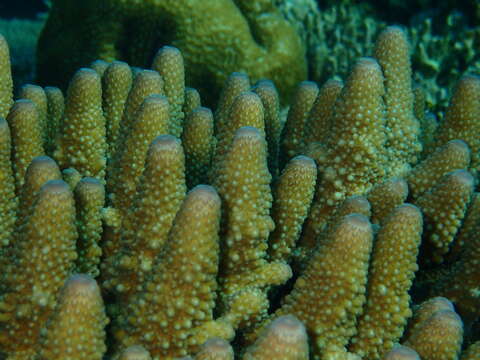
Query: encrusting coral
[[185, 267]]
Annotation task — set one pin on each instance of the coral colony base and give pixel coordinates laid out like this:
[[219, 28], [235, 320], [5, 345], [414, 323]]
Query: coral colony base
[[137, 224]]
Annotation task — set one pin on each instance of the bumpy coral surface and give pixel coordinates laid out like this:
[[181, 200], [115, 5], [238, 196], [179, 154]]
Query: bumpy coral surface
[[188, 259]]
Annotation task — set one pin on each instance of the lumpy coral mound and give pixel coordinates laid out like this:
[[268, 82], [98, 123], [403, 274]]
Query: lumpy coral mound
[[216, 37]]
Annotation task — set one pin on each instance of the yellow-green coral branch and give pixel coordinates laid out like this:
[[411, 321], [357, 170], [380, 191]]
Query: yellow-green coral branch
[[77, 326]]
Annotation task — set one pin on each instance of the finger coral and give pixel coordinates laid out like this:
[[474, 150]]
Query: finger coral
[[198, 142], [438, 337], [284, 338], [83, 126], [243, 184], [90, 199], [232, 233], [170, 332], [461, 117], [26, 136], [6, 82], [351, 162], [390, 277], [215, 349], [336, 278], [7, 186], [43, 255], [293, 196], [80, 313], [146, 225], [40, 170], [392, 53]]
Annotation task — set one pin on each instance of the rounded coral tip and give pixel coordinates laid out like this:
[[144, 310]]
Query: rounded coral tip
[[400, 352], [247, 132], [56, 187], [285, 338], [81, 286], [288, 328], [408, 210], [135, 352], [459, 145], [164, 142], [205, 194], [302, 160], [462, 177], [41, 161], [399, 186], [215, 349], [355, 204], [367, 63], [25, 106], [89, 184], [84, 77], [356, 221], [391, 31]]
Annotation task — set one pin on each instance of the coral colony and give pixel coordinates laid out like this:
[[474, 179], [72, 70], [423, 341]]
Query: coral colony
[[136, 223]]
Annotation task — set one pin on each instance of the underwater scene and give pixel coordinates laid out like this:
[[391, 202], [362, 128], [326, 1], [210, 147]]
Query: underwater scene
[[239, 179]]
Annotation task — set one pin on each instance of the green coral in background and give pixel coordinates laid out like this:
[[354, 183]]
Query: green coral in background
[[335, 36], [265, 38], [442, 52], [216, 37], [443, 47], [304, 16]]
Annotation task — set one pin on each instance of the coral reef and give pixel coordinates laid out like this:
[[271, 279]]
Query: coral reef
[[287, 240]]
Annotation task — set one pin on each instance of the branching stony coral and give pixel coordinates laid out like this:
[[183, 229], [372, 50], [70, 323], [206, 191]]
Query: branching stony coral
[[215, 37], [183, 273]]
